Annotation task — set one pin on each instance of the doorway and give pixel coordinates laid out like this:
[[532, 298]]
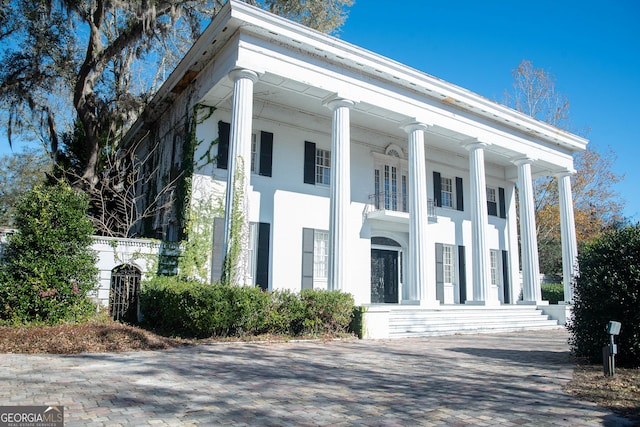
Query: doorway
[[384, 276]]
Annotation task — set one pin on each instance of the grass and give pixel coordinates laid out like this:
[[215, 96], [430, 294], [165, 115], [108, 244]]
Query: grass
[[621, 394]]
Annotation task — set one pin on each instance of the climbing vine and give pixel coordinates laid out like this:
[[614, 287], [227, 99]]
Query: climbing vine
[[233, 271]]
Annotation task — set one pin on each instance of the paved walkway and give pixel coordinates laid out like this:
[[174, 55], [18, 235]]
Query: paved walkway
[[465, 380]]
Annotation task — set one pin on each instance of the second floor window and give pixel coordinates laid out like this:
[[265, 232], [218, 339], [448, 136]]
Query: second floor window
[[492, 201], [317, 164], [323, 166], [446, 192]]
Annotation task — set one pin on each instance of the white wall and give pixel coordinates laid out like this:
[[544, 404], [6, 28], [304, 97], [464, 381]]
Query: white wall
[[290, 205]]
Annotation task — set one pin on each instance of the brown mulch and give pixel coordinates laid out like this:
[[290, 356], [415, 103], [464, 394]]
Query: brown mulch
[[620, 393], [91, 337]]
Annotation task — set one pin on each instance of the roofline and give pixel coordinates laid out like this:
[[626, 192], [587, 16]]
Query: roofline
[[236, 14]]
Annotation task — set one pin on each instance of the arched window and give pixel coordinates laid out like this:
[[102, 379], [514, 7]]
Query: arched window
[[123, 295]]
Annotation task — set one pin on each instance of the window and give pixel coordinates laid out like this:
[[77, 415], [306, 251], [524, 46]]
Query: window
[[448, 270], [315, 258], [390, 180], [317, 164], [495, 267], [254, 154], [496, 204], [258, 258], [446, 192], [320, 254], [323, 166], [492, 201], [251, 255], [448, 260], [261, 150]]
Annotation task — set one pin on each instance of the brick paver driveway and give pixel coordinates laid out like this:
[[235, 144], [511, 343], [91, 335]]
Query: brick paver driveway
[[481, 380]]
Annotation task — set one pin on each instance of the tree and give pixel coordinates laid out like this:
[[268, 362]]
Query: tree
[[19, 173], [50, 267], [95, 53], [608, 288], [597, 206], [78, 71]]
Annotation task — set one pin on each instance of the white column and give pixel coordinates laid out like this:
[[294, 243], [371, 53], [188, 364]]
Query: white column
[[479, 222], [340, 189], [239, 168], [528, 239], [568, 235], [418, 289]]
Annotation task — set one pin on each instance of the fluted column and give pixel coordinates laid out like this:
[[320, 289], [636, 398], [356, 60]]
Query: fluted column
[[340, 189], [239, 171], [568, 235], [529, 242], [417, 288], [479, 222]]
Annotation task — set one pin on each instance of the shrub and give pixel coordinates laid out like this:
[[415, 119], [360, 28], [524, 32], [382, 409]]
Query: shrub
[[553, 292], [191, 308], [326, 312], [49, 267], [608, 288]]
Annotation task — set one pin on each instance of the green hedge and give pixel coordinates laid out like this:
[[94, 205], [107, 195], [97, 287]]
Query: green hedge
[[191, 308], [608, 288], [552, 292]]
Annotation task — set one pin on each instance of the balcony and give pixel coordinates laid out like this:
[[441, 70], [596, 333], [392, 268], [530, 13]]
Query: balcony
[[394, 207]]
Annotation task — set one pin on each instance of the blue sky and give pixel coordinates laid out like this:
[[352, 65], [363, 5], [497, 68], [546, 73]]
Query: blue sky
[[592, 48]]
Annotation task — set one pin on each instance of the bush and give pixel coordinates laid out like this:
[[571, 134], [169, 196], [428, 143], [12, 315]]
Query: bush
[[326, 312], [49, 267], [553, 292], [190, 308], [608, 288]]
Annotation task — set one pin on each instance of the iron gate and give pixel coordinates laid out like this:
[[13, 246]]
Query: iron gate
[[123, 296]]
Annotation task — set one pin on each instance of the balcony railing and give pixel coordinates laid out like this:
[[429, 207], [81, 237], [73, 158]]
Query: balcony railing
[[396, 202]]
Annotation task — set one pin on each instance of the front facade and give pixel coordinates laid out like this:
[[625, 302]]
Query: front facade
[[354, 172]]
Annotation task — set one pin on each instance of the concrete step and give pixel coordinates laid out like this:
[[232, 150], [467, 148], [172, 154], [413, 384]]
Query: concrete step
[[409, 321]]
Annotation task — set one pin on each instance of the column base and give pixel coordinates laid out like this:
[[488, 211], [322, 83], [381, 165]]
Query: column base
[[533, 302], [430, 304], [410, 302], [484, 303]]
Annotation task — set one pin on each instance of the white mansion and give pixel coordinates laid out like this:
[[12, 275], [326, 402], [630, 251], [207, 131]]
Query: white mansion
[[361, 174]]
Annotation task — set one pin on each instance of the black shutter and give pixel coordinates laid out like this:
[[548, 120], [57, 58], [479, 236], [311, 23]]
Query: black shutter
[[505, 277], [502, 202], [218, 250], [459, 198], [439, 273], [437, 189], [266, 153], [307, 258], [462, 270], [262, 258], [222, 160], [309, 162]]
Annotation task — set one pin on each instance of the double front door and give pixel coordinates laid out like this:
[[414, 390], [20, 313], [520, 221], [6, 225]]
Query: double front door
[[384, 276]]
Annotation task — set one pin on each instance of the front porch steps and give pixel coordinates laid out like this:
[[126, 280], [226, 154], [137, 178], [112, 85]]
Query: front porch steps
[[407, 321]]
